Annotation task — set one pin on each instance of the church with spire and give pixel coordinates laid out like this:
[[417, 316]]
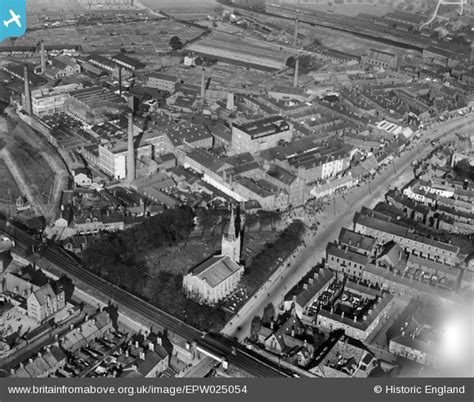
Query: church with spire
[[217, 277]]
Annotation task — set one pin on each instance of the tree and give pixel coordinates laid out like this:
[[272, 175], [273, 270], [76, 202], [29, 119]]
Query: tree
[[305, 63], [255, 328], [219, 10], [268, 314], [176, 43], [464, 169], [268, 218]]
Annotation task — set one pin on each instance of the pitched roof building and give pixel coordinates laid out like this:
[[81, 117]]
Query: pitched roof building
[[217, 277]]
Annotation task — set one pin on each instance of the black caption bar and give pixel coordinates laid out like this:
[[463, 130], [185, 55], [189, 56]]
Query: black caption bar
[[261, 390]]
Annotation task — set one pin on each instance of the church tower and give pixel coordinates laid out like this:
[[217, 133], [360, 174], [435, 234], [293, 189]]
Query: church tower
[[231, 241]]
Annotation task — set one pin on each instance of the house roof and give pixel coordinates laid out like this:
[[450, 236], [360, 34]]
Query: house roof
[[358, 240], [401, 231], [44, 293], [333, 249], [394, 253], [37, 367]]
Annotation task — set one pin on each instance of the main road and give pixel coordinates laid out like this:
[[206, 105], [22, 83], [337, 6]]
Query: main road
[[340, 214], [134, 307]]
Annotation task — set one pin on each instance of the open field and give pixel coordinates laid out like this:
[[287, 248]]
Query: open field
[[143, 38]]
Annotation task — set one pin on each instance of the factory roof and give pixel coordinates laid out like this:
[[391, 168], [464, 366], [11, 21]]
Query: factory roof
[[125, 60], [187, 134], [163, 76], [264, 127], [95, 94], [102, 61], [381, 55], [282, 175]]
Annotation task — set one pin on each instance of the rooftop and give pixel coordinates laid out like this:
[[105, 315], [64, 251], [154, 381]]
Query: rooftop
[[124, 59], [264, 127], [216, 269], [346, 254], [357, 240]]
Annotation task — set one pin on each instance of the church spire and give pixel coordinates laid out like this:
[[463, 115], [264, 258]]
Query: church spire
[[231, 232], [231, 241]]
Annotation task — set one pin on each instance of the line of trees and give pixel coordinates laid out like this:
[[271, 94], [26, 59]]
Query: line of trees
[[264, 263]]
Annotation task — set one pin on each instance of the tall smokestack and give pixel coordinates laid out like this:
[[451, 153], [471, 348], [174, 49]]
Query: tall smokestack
[[203, 86], [230, 101], [295, 37], [27, 105], [297, 67], [120, 81], [131, 151], [43, 57], [131, 103]]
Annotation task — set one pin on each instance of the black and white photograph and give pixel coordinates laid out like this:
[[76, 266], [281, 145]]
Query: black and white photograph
[[236, 200]]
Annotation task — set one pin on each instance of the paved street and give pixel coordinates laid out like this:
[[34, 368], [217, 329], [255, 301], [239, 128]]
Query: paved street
[[332, 218]]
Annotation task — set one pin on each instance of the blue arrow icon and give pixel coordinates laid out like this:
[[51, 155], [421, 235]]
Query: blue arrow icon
[[12, 18]]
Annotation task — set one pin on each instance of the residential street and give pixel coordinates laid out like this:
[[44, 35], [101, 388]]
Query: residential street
[[334, 217]]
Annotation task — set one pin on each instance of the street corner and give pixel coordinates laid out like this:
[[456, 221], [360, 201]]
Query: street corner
[[12, 18]]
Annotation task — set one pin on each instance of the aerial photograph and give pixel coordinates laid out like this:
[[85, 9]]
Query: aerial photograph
[[237, 189]]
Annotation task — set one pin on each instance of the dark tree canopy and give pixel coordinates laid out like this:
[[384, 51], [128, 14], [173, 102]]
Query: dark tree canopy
[[464, 169], [255, 328], [268, 314], [176, 43]]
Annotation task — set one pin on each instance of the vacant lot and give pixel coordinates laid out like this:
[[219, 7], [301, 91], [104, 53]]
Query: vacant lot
[[9, 190], [36, 171]]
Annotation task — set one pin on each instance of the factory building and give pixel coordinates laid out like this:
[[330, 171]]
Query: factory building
[[258, 135]]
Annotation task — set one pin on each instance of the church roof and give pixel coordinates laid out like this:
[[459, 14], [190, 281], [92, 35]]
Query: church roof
[[216, 269]]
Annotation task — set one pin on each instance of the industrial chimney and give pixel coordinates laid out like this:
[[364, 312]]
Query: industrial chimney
[[203, 86], [131, 151], [297, 67], [295, 37], [43, 57], [120, 81], [230, 101], [27, 105]]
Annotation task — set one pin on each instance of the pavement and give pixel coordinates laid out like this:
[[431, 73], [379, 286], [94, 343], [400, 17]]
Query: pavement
[[340, 214]]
